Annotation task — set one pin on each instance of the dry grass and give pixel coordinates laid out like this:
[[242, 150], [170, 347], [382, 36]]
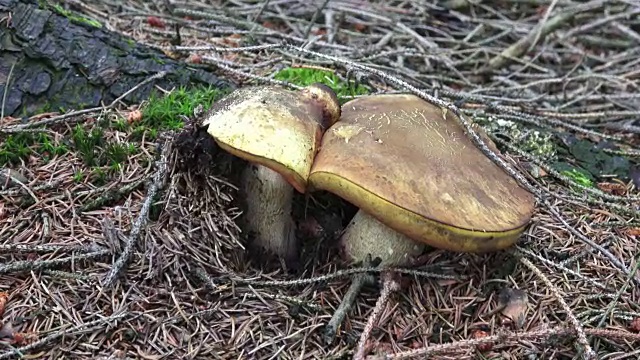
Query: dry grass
[[190, 290]]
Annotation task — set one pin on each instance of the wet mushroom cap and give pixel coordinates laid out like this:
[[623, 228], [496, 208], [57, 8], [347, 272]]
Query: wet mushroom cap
[[275, 127], [409, 164]]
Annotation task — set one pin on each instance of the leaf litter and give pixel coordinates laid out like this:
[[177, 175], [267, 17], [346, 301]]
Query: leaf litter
[[190, 290]]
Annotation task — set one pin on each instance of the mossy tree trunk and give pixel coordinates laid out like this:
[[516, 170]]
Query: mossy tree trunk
[[62, 62]]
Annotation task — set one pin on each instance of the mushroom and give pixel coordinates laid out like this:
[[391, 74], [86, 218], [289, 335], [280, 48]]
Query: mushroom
[[278, 131], [417, 180]]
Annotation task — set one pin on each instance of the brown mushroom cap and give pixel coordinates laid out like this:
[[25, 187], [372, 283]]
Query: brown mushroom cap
[[409, 164], [275, 127]]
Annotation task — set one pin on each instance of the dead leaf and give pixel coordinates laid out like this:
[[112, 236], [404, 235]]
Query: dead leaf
[[613, 188], [320, 31], [155, 21], [23, 338], [632, 231], [4, 298], [134, 116], [360, 27], [515, 303], [479, 334], [194, 59]]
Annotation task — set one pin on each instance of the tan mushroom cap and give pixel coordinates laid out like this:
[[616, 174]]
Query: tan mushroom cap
[[408, 163], [275, 127]]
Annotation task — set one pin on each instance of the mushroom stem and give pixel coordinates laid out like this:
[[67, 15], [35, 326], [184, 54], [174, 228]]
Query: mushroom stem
[[366, 238], [269, 200], [365, 235]]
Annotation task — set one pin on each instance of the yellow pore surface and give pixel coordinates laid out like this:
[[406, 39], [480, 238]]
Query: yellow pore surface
[[408, 163], [269, 126]]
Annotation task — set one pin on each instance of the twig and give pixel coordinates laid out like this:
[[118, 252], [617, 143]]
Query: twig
[[22, 248], [314, 17], [389, 286], [341, 274], [539, 32], [619, 293], [90, 326], [35, 265], [503, 338], [561, 267], [141, 220], [358, 282], [579, 330]]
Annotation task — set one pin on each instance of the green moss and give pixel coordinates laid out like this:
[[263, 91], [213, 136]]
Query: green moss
[[305, 76], [87, 143], [168, 112], [78, 176], [74, 17], [18, 147], [534, 142], [158, 60], [579, 177]]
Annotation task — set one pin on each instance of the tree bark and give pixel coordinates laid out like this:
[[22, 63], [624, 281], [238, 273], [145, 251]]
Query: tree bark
[[60, 63]]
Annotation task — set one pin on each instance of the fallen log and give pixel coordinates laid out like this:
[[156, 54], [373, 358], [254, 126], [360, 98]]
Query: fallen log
[[53, 61]]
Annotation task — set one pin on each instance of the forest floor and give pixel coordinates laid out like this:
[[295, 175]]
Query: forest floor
[[120, 238]]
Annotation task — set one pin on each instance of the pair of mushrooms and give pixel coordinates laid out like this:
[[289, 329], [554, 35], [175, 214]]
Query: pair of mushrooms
[[404, 162]]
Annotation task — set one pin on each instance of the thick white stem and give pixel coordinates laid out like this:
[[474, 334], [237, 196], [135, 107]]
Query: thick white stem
[[267, 215], [366, 235]]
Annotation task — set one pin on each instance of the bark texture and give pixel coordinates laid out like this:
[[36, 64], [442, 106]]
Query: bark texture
[[60, 63]]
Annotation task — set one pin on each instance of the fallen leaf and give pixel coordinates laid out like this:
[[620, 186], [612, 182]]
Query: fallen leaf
[[360, 27], [635, 232], [4, 298], [320, 31], [23, 338], [479, 334], [613, 188], [515, 303], [194, 59], [134, 116], [155, 21], [270, 25]]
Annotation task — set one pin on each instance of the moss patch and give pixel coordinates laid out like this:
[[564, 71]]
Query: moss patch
[[15, 148], [75, 17], [305, 76], [168, 112]]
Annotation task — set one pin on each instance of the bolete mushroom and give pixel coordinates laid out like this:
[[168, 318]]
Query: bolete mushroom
[[417, 180], [278, 131]]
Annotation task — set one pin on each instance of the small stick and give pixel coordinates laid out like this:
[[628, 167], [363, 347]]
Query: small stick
[[504, 339], [577, 326], [19, 266], [358, 282], [389, 286], [101, 323], [132, 240]]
